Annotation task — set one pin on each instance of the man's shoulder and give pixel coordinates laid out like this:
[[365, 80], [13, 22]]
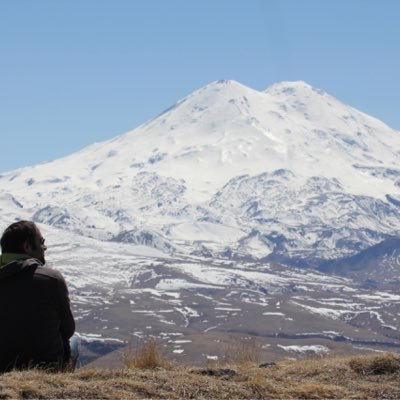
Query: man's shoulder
[[49, 272]]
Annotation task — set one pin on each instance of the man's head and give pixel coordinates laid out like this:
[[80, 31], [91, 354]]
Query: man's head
[[24, 237]]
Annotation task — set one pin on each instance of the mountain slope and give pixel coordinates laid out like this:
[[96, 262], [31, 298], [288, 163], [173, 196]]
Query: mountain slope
[[377, 265], [289, 171]]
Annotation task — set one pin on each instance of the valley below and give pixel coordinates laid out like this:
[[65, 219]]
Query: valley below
[[197, 309]]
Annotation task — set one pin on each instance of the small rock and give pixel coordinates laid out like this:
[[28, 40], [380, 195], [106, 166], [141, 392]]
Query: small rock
[[222, 372], [267, 365]]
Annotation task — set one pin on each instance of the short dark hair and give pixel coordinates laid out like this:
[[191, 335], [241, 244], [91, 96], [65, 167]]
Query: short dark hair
[[16, 234]]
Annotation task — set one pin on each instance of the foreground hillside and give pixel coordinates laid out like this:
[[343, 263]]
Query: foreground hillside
[[366, 377]]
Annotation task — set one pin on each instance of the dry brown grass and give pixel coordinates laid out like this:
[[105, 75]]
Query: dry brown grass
[[146, 355], [381, 364], [243, 352], [315, 378]]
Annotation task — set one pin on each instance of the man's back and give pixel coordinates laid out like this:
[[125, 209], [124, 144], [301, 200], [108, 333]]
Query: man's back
[[35, 316]]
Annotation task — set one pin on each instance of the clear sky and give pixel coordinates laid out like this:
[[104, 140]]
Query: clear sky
[[75, 72]]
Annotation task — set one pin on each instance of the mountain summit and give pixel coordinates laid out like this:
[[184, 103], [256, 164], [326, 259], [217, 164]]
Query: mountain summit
[[289, 173]]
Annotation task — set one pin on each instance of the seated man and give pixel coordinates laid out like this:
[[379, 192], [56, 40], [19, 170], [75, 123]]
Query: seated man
[[36, 322]]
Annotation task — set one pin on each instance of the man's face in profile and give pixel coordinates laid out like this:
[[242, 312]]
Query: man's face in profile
[[37, 248]]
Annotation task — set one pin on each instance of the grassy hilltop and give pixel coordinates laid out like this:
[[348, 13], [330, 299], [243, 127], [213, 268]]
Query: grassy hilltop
[[147, 375]]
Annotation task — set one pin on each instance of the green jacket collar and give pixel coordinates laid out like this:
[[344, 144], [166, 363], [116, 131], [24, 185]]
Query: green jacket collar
[[6, 258]]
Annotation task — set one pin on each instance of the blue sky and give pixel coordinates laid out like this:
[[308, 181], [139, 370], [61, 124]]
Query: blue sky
[[75, 72]]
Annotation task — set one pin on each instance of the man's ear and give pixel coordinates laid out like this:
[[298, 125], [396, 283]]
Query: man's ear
[[26, 246]]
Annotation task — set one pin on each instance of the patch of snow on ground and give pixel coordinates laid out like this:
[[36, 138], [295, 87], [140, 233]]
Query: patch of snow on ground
[[274, 313], [210, 328], [379, 296], [326, 312], [182, 341], [176, 284], [304, 349], [93, 337]]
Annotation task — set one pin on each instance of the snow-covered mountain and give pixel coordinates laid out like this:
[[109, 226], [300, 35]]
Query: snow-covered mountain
[[182, 226], [290, 174]]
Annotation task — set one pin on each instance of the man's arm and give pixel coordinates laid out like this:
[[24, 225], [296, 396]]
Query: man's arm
[[67, 327]]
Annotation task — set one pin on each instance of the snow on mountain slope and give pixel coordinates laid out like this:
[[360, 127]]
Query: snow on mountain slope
[[232, 171], [228, 129]]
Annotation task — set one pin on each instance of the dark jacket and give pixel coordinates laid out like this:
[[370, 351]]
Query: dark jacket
[[35, 316]]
